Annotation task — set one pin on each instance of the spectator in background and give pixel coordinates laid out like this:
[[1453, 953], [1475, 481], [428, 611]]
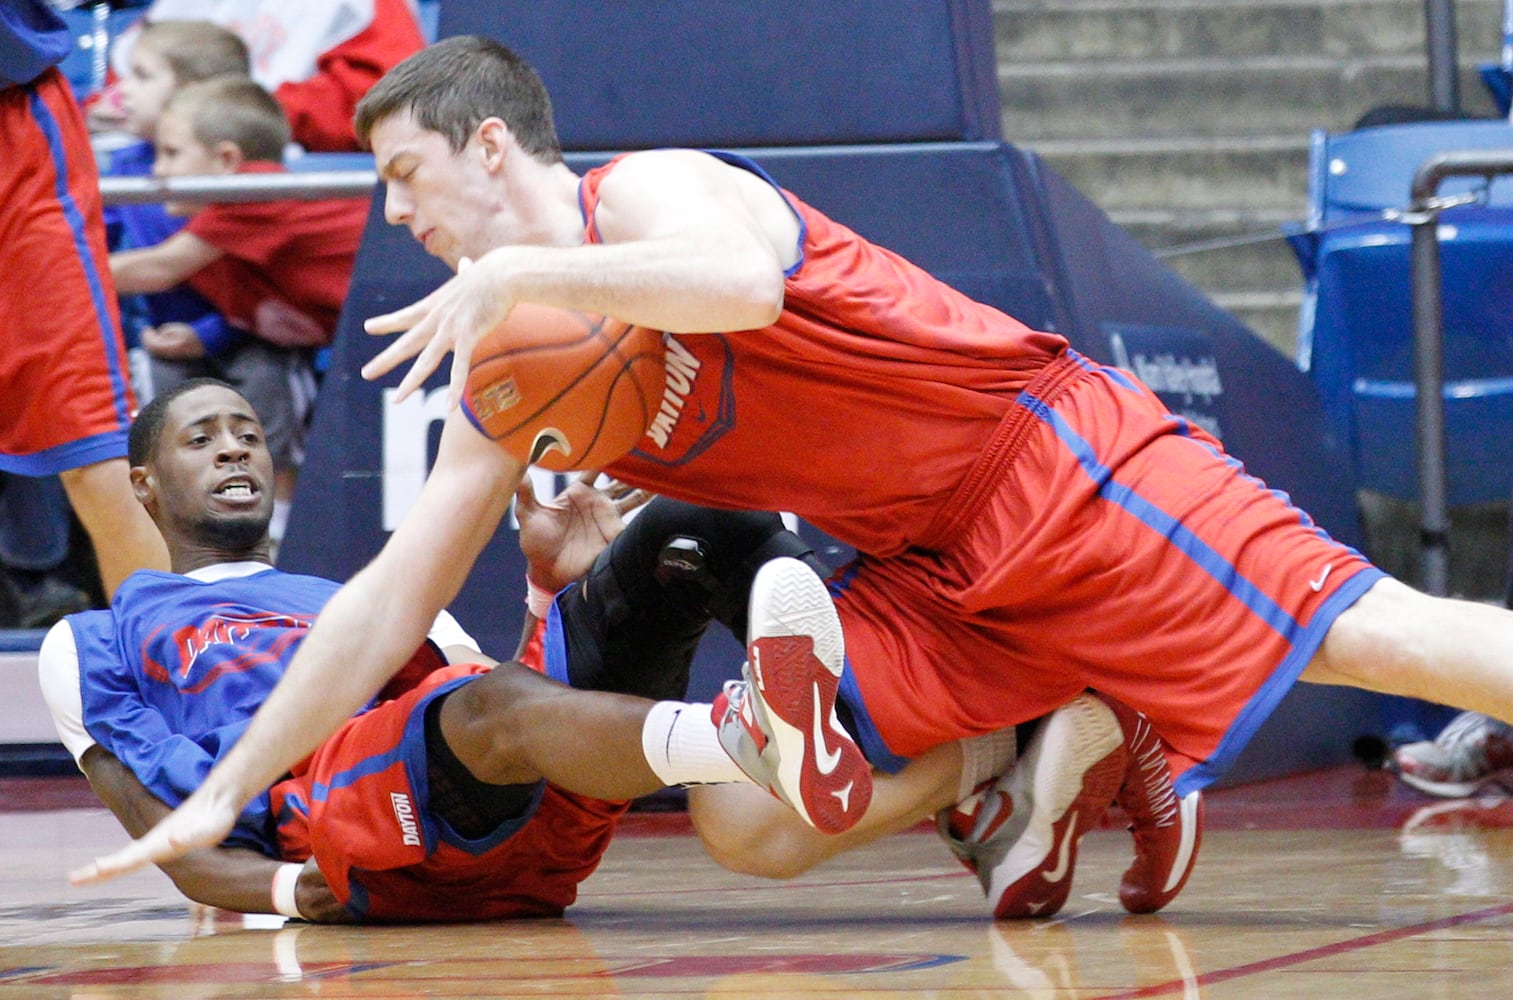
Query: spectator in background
[[277, 269], [65, 399], [317, 57], [35, 524], [167, 55]]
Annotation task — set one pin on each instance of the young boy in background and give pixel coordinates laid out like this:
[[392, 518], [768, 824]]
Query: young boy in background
[[278, 269], [168, 55]]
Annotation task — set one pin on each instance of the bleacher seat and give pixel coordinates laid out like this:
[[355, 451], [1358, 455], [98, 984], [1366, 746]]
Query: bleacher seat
[[1355, 335], [1499, 82]]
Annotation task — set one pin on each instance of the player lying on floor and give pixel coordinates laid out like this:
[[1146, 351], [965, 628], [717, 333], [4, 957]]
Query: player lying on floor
[[423, 807]]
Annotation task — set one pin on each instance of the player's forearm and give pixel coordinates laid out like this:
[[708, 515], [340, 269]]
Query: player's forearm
[[374, 623], [225, 877], [327, 682], [143, 271], [665, 284]]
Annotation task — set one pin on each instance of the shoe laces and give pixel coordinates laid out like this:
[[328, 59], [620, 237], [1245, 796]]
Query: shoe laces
[[738, 707], [1154, 774]]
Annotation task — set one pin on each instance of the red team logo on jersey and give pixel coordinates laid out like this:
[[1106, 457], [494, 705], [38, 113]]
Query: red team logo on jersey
[[237, 638], [698, 406]]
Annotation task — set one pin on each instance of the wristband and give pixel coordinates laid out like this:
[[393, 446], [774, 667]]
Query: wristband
[[538, 600], [284, 882]]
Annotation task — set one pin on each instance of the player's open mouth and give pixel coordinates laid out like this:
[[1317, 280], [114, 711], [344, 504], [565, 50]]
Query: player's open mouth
[[236, 489]]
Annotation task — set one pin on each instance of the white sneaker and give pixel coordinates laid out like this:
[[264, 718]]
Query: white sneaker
[[779, 724]]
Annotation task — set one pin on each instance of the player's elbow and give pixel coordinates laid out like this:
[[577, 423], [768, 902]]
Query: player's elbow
[[763, 297], [749, 290]]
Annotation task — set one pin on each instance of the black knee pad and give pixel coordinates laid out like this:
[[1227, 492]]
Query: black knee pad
[[634, 624]]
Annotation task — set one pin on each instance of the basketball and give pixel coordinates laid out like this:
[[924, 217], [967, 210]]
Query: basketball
[[566, 390]]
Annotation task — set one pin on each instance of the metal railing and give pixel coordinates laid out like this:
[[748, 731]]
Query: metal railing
[[299, 185], [1428, 348]]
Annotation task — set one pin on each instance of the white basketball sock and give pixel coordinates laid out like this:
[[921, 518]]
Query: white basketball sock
[[984, 757], [683, 747]]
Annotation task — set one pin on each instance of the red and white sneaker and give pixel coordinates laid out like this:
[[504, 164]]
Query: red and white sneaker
[[1167, 829], [1020, 835], [779, 724]]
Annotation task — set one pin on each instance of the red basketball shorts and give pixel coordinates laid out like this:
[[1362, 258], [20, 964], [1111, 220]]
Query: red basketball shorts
[[359, 805], [65, 395], [1101, 543]]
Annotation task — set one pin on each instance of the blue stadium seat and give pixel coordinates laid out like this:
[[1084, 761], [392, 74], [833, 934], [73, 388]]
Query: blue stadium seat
[[1355, 335]]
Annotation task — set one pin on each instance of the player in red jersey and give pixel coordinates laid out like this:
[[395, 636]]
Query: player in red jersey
[[63, 377], [1032, 523]]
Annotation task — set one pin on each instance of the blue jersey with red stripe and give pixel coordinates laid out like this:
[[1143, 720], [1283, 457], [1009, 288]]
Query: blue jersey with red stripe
[[173, 673]]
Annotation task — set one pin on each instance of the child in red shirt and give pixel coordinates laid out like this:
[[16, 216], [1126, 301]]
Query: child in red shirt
[[277, 269]]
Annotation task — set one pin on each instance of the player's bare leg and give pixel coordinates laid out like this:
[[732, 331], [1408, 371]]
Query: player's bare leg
[[124, 537], [513, 726], [1400, 641], [748, 831]]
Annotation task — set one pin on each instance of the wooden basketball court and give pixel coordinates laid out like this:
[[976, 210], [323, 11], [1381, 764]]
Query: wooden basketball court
[[1328, 885]]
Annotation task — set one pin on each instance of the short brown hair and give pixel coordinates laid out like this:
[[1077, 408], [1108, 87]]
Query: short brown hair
[[234, 109], [197, 50], [453, 85]]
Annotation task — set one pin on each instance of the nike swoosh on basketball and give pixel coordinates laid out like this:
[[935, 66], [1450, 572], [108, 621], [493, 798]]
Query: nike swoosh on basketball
[[825, 759], [1063, 861], [1318, 585]]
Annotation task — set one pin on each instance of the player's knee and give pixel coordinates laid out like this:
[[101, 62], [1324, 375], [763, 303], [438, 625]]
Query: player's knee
[[730, 825], [487, 722]]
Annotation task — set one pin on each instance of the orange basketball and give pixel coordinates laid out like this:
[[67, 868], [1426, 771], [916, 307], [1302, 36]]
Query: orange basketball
[[566, 390]]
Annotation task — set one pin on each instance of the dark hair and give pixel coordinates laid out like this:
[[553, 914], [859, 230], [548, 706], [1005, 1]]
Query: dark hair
[[453, 85], [234, 109], [197, 50], [142, 439]]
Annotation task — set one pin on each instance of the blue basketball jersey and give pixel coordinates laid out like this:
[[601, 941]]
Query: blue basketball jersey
[[173, 673]]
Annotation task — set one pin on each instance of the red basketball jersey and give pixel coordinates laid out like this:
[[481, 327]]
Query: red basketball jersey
[[861, 412]]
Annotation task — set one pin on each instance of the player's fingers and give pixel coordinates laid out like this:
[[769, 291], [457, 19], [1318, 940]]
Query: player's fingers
[[525, 497], [400, 319], [630, 501], [426, 362], [462, 360], [134, 855], [615, 488], [407, 346]]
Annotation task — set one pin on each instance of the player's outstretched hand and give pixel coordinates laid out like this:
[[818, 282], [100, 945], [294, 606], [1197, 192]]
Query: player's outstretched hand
[[561, 537], [452, 318], [202, 820]]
